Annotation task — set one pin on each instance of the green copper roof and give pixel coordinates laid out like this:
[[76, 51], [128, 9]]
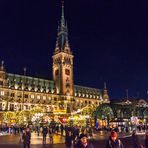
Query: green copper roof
[[27, 83], [30, 83], [87, 92]]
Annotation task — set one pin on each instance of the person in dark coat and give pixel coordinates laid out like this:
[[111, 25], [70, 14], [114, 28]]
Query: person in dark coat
[[68, 139], [146, 140], [135, 140], [84, 143], [62, 129], [45, 131], [26, 138], [113, 141], [83, 133]]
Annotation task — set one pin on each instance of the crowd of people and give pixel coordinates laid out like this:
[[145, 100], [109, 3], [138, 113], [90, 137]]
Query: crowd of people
[[75, 136]]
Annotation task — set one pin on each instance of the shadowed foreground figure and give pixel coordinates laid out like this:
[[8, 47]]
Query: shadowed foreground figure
[[146, 140], [26, 138], [113, 141], [136, 143], [84, 143]]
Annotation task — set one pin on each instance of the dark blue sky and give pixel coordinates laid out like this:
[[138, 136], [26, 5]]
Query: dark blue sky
[[109, 39]]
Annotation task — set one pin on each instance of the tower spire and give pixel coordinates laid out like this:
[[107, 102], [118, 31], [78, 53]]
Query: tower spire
[[127, 94], [62, 44], [2, 68], [105, 86], [62, 16], [105, 93]]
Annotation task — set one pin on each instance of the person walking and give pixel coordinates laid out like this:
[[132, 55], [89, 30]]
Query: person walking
[[68, 139], [62, 129], [45, 131], [26, 138], [136, 143], [50, 136], [146, 140], [113, 141]]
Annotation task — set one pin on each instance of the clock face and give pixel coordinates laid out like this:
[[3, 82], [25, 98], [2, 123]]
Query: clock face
[[67, 71]]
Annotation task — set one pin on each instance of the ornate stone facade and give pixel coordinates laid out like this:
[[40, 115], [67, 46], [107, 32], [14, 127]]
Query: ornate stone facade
[[60, 95]]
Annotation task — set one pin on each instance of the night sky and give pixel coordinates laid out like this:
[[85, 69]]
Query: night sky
[[109, 39]]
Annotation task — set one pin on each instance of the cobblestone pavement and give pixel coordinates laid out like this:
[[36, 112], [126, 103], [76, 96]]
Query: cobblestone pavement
[[15, 139], [100, 138]]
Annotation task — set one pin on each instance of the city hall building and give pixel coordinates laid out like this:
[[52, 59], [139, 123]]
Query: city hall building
[[57, 96]]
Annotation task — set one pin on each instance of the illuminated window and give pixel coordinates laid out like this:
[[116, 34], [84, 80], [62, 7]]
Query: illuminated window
[[19, 95], [67, 71], [32, 96], [44, 97], [38, 97], [2, 93]]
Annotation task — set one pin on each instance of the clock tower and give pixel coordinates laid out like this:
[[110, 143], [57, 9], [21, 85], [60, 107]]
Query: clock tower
[[63, 62]]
